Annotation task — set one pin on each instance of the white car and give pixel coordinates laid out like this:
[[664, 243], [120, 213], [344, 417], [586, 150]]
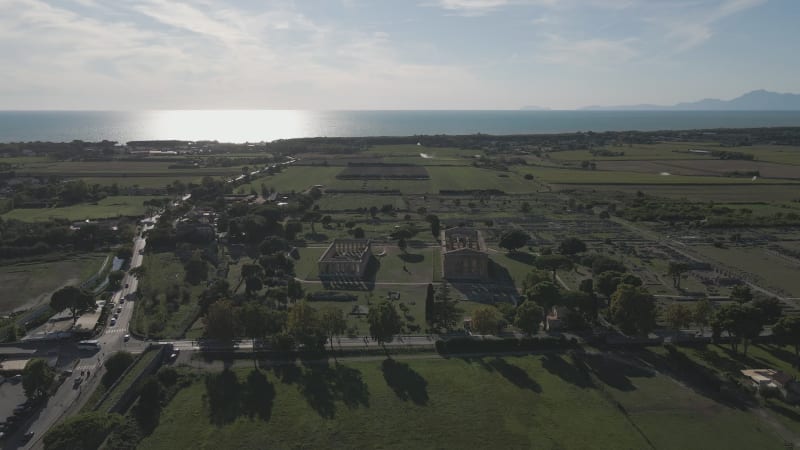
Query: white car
[[113, 321]]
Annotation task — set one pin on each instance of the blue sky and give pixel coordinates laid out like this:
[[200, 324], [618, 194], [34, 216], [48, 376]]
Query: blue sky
[[391, 54]]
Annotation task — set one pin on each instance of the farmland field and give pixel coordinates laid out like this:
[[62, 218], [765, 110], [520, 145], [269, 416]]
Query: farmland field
[[526, 402], [719, 193], [774, 270], [599, 177], [712, 167], [108, 207], [31, 283]]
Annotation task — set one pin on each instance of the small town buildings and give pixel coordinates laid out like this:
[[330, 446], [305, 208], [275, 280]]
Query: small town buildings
[[464, 255], [345, 258], [773, 380]]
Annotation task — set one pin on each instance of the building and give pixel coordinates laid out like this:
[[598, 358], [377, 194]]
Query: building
[[345, 258], [464, 255], [773, 380]]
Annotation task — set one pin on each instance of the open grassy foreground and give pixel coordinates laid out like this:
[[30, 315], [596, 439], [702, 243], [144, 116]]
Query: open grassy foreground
[[512, 402]]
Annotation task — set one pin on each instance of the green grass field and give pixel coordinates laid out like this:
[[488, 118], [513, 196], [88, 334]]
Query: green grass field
[[108, 207], [599, 177], [769, 267], [159, 320], [511, 402], [30, 283]]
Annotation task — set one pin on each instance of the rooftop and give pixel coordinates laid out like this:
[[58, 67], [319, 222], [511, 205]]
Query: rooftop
[[463, 238]]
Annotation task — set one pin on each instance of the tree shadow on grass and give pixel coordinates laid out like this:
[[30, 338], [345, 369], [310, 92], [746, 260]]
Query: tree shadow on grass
[[406, 383], [322, 386], [615, 373], [523, 257], [411, 258], [577, 374], [515, 375], [781, 353], [784, 411], [258, 395], [222, 394]]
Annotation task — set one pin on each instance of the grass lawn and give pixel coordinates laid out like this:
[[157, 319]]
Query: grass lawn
[[589, 177], [296, 178], [161, 318], [511, 402], [143, 182], [29, 283], [108, 207], [727, 193]]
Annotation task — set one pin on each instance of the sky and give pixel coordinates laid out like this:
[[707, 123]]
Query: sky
[[391, 54]]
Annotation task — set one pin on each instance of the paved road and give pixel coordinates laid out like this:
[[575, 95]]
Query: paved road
[[69, 398]]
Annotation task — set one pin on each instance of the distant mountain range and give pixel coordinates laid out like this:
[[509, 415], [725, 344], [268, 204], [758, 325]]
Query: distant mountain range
[[759, 100]]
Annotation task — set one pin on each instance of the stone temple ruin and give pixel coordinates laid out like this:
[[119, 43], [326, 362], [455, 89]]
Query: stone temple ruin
[[464, 255], [345, 258]]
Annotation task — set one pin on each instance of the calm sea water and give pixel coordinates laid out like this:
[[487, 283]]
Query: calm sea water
[[268, 125]]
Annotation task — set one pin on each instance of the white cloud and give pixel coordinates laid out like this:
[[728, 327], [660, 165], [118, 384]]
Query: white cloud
[[594, 52]]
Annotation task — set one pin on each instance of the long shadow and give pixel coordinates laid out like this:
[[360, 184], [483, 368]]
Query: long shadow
[[615, 373], [699, 378], [499, 274], [782, 354], [406, 383], [222, 393], [259, 395], [316, 388], [515, 375], [322, 386], [351, 387], [412, 258], [577, 374], [523, 257]]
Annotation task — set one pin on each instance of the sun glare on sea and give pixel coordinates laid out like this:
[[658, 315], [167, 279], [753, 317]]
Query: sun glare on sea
[[228, 125]]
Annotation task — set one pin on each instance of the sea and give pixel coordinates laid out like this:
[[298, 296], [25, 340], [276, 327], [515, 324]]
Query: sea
[[268, 125]]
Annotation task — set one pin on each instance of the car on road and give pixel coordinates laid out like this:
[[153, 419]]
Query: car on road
[[16, 378], [27, 437], [113, 321], [119, 310], [77, 382], [174, 354], [126, 285], [127, 337]]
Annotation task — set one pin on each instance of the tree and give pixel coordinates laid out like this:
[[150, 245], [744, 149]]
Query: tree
[[138, 272], [703, 310], [77, 301], [445, 311], [115, 279], [115, 365], [435, 225], [333, 323], [304, 325], [553, 263], [384, 323], [534, 277], [253, 284], [484, 320], [220, 323], [294, 289], [196, 268], [544, 294], [602, 264], [676, 270], [678, 316], [37, 378], [633, 309], [606, 283], [741, 293], [429, 296], [571, 246], [743, 323], [84, 431], [514, 239], [787, 331], [771, 309], [529, 316], [402, 244]]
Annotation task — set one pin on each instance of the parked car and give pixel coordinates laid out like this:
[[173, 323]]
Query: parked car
[[119, 310], [113, 321], [16, 378], [27, 437], [127, 337]]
